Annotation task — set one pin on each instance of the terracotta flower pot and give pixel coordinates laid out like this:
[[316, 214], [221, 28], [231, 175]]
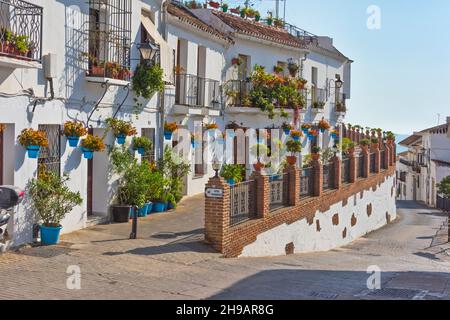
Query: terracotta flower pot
[[315, 156], [258, 166], [97, 71], [292, 160]]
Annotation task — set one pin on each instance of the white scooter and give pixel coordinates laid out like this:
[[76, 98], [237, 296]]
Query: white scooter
[[10, 197]]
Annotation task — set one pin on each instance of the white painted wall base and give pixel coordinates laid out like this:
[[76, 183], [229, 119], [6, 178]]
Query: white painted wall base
[[306, 238]]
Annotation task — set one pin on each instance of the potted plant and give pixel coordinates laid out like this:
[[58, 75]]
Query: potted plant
[[236, 10], [302, 83], [169, 129], [287, 128], [91, 144], [390, 136], [374, 143], [318, 105], [52, 200], [213, 4], [278, 22], [211, 128], [73, 130], [293, 147], [340, 107], [364, 144], [334, 134], [147, 80], [32, 140], [315, 153], [121, 129], [236, 62], [232, 173], [225, 7], [351, 147], [296, 135], [142, 145], [306, 127], [293, 68], [278, 69], [312, 133], [257, 16], [323, 125], [258, 150], [269, 19]]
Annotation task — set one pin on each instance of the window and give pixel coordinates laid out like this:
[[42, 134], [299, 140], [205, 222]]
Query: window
[[244, 67], [150, 134], [109, 38], [284, 66], [50, 156]]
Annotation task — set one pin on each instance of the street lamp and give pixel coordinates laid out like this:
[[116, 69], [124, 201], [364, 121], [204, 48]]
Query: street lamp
[[216, 167], [148, 50], [338, 84]]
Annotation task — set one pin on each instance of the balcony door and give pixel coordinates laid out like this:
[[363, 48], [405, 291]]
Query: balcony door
[[201, 74]]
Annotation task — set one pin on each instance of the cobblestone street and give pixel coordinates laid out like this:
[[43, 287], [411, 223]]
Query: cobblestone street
[[169, 261]]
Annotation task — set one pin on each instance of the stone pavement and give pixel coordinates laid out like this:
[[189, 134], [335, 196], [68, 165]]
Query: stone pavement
[[170, 261]]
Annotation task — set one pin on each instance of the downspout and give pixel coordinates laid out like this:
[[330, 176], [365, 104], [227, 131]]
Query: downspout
[[162, 116], [302, 63]]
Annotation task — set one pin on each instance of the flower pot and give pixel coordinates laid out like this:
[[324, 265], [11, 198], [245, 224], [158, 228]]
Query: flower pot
[[149, 207], [334, 135], [258, 166], [141, 151], [225, 9], [231, 182], [287, 131], [296, 138], [167, 135], [305, 131], [310, 136], [322, 130], [166, 206], [257, 18], [315, 156], [121, 214], [73, 141], [278, 177], [33, 152], [50, 235], [87, 153], [292, 160], [121, 139], [142, 212], [97, 71], [171, 206], [158, 207], [269, 22]]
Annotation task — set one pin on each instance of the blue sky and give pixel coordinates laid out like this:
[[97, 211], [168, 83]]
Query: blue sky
[[401, 73]]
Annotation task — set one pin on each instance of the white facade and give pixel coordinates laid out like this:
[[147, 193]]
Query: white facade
[[65, 33]]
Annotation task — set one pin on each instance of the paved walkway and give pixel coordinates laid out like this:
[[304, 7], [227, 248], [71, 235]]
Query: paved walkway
[[169, 261]]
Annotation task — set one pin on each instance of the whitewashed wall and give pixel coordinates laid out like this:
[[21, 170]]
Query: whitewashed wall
[[306, 238]]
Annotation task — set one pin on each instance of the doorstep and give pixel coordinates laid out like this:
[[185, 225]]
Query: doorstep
[[97, 219]]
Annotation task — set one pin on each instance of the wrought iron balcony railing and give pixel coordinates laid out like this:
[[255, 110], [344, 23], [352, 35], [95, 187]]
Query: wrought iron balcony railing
[[339, 104], [194, 91], [237, 92], [20, 30]]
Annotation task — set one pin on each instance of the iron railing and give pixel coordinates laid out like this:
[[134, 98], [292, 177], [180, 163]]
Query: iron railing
[[361, 163], [318, 97], [50, 156], [242, 202], [383, 163], [21, 30], [236, 93], [328, 176], [345, 171], [194, 91], [110, 38], [443, 203], [301, 34], [372, 163], [306, 182], [278, 191]]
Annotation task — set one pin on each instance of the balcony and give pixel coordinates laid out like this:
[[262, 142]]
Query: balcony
[[318, 99], [109, 42], [20, 34], [340, 107], [196, 95]]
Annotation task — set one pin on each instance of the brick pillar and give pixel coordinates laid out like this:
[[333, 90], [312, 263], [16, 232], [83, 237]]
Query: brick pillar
[[365, 153], [318, 177], [353, 172], [262, 194], [293, 174], [376, 150], [337, 172], [380, 140], [217, 215], [358, 136]]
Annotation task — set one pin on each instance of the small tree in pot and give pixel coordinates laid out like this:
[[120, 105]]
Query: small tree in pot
[[293, 147], [232, 173], [52, 200]]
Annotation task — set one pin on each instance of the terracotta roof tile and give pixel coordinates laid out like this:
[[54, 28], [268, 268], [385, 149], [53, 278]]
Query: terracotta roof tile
[[410, 140]]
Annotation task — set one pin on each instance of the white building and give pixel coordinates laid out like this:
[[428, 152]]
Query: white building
[[424, 165], [56, 83]]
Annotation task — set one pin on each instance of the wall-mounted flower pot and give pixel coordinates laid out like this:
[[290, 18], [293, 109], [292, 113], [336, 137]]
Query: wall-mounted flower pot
[[231, 182], [310, 136], [194, 144], [50, 235], [121, 214], [296, 138], [257, 18], [322, 130], [121, 139], [158, 207], [334, 135], [73, 141], [287, 131], [142, 212], [258, 166], [225, 9], [87, 153], [141, 151], [292, 160], [305, 131], [167, 135], [33, 152], [269, 22]]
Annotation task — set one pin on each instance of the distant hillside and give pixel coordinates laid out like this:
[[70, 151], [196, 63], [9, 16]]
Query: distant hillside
[[400, 137]]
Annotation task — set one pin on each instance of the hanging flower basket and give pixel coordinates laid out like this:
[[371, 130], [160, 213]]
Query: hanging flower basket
[[168, 135], [169, 129], [73, 141], [91, 144], [32, 140], [121, 139], [33, 151], [73, 130], [87, 153]]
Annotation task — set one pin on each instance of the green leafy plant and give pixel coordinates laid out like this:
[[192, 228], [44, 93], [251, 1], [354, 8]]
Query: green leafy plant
[[148, 80], [315, 149], [364, 142], [51, 198], [120, 127], [294, 147], [31, 137], [444, 187], [93, 143], [142, 142], [232, 171], [374, 140]]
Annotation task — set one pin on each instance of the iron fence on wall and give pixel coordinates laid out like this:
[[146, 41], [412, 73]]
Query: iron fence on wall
[[194, 91], [306, 182], [345, 171], [279, 188], [328, 176], [372, 163], [361, 166], [242, 202], [383, 163], [443, 203]]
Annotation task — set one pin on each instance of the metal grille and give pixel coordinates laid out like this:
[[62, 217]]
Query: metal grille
[[150, 134], [361, 166], [50, 157], [192, 90], [383, 159], [110, 38], [236, 92], [242, 202], [278, 191], [328, 176], [345, 171], [372, 163], [306, 182], [20, 30]]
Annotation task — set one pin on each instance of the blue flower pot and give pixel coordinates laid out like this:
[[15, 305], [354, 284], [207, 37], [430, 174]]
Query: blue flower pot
[[141, 151], [231, 182], [212, 133], [276, 177], [121, 139], [166, 206], [33, 152], [149, 207], [171, 206], [87, 153], [167, 135], [296, 138], [305, 131], [322, 130], [287, 131], [334, 135], [132, 213], [142, 212], [50, 235], [158, 207], [73, 141]]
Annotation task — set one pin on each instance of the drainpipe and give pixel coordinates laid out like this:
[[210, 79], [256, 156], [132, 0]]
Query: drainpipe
[[302, 61]]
